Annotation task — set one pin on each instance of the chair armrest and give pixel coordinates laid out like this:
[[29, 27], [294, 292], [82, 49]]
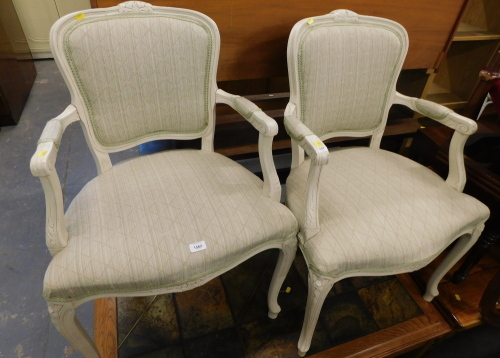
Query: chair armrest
[[463, 127], [439, 113], [267, 128], [42, 165], [253, 114], [318, 152], [298, 131], [43, 161]]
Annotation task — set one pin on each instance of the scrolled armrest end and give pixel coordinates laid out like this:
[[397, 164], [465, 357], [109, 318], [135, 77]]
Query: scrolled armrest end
[[438, 113], [313, 146], [251, 112], [43, 161]]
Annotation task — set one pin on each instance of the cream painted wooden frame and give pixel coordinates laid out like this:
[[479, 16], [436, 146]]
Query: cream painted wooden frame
[[305, 140], [62, 310]]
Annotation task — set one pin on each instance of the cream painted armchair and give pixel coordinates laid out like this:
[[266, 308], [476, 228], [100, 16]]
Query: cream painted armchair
[[165, 222], [364, 211]]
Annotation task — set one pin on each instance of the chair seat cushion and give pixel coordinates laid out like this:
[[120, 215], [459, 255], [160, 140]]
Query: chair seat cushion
[[130, 229], [380, 213]]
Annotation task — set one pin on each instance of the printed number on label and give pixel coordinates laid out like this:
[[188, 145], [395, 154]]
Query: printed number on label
[[197, 246]]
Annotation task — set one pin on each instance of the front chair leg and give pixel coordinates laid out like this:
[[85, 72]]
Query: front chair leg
[[319, 286], [285, 259], [64, 319], [464, 243]]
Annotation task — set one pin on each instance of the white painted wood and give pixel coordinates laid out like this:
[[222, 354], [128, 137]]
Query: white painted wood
[[316, 236], [285, 260], [318, 288], [463, 244], [43, 166], [267, 128], [64, 319], [463, 127], [61, 237]]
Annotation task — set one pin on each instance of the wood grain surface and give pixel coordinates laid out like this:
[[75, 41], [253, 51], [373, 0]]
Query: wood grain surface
[[459, 303], [254, 33], [105, 327]]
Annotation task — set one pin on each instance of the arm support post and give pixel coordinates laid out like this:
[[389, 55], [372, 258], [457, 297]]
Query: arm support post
[[463, 127], [42, 165], [267, 128], [307, 140], [318, 152]]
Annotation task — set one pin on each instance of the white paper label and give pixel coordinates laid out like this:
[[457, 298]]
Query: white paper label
[[197, 246]]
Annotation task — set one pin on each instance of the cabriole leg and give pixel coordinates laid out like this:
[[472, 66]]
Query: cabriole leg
[[285, 259], [488, 238], [319, 287], [64, 319], [464, 243]]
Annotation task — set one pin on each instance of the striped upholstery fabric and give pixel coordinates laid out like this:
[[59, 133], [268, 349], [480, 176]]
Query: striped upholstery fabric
[[130, 228], [141, 74], [379, 212], [343, 88]]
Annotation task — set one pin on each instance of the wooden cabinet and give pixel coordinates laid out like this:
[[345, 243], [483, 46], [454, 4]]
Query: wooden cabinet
[[254, 33], [37, 17], [17, 71], [476, 40]]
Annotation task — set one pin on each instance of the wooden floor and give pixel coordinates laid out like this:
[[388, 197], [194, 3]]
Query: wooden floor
[[400, 338], [456, 308], [459, 304]]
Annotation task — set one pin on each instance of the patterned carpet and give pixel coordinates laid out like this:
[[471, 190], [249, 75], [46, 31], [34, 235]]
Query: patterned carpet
[[227, 317]]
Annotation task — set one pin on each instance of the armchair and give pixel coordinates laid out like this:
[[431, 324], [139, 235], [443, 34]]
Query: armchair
[[159, 223], [363, 211]]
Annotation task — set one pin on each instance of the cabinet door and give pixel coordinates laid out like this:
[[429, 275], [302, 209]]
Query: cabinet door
[[65, 7], [37, 17], [476, 40], [17, 71]]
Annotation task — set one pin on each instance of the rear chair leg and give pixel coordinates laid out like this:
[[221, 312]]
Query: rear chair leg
[[464, 243], [285, 259]]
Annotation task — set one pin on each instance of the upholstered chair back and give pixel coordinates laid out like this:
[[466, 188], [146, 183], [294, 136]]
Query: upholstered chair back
[[343, 69], [138, 72]]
